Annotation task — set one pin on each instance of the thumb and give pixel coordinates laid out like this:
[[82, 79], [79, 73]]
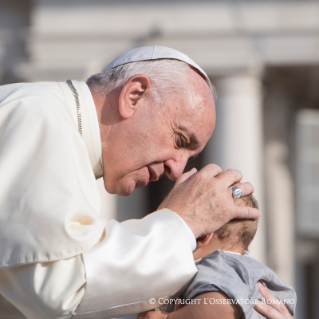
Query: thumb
[[184, 177]]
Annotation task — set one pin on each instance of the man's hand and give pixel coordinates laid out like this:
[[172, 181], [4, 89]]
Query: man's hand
[[271, 310], [204, 199]]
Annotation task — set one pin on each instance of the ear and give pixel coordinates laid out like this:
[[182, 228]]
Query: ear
[[132, 94], [204, 240]]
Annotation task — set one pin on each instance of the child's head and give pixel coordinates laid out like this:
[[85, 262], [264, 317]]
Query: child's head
[[234, 236]]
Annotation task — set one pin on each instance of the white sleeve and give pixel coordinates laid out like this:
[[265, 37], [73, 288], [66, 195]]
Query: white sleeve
[[190, 234], [139, 260], [136, 261]]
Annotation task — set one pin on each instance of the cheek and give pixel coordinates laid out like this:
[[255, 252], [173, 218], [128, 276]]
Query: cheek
[[134, 148], [148, 148]]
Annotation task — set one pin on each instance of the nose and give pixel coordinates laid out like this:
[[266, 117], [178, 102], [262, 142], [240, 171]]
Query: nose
[[174, 167]]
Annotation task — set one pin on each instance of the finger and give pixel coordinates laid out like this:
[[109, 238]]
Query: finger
[[245, 212], [247, 188], [272, 300], [269, 312], [184, 177], [211, 170], [230, 177]]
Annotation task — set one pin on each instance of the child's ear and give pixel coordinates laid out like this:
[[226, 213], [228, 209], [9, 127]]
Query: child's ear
[[204, 240]]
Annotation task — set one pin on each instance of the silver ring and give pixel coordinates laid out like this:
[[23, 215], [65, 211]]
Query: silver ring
[[237, 192]]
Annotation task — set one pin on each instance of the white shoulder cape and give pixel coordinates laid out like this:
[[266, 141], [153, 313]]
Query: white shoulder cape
[[49, 201]]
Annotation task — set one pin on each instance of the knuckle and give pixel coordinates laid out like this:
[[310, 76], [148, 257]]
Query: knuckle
[[242, 186], [236, 173], [204, 173], [215, 167], [245, 212], [212, 168]]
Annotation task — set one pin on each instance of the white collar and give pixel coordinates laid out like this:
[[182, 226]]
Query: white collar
[[93, 117], [90, 124]]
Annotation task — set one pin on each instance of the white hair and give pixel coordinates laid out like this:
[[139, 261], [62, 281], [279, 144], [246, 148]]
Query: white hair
[[166, 76]]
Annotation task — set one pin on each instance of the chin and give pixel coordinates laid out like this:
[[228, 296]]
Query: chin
[[125, 186], [115, 190], [120, 187], [125, 190]]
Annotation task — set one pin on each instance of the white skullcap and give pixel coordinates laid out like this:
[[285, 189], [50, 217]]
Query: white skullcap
[[154, 52]]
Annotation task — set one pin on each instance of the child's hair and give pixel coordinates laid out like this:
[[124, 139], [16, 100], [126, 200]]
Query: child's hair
[[240, 230]]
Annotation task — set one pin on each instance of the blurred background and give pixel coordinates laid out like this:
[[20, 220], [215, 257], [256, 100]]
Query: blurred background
[[263, 58]]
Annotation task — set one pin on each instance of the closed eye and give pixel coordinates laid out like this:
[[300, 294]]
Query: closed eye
[[183, 141]]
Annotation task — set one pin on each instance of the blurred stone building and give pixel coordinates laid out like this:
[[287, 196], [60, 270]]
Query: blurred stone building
[[263, 57]]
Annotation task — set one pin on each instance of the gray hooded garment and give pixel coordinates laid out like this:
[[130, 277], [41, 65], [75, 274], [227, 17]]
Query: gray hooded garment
[[237, 276]]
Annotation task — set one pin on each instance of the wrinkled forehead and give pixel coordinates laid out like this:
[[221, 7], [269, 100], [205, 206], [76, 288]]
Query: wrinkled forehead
[[197, 117], [200, 99]]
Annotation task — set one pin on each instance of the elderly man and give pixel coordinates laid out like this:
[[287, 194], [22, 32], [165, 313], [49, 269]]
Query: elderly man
[[149, 111]]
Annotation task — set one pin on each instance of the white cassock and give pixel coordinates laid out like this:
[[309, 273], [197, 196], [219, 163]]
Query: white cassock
[[58, 257]]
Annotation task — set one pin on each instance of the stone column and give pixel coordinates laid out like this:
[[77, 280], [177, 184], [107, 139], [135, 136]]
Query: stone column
[[237, 141], [280, 147], [280, 206]]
